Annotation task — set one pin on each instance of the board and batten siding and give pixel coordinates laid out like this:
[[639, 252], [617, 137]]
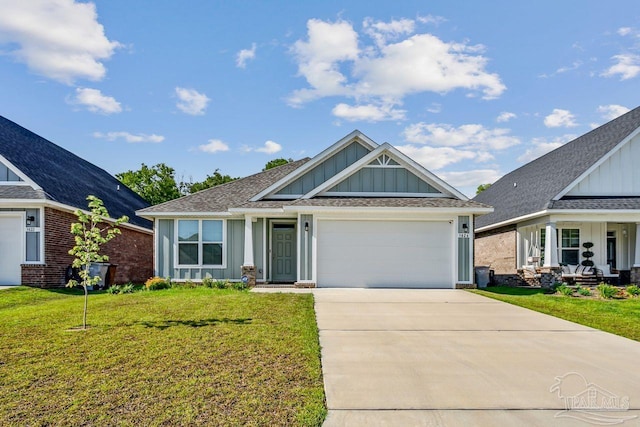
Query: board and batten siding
[[616, 176], [327, 169], [234, 247], [383, 180]]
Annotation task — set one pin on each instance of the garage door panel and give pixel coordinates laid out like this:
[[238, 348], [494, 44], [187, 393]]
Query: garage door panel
[[384, 254]]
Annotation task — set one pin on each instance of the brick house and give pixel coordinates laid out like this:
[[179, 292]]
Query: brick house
[[41, 185], [584, 192]]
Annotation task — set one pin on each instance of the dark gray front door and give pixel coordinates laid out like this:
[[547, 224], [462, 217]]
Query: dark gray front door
[[283, 262]]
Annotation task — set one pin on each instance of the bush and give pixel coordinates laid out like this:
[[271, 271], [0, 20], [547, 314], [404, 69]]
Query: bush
[[208, 282], [239, 286], [222, 284], [187, 284], [565, 290], [114, 290], [607, 291], [633, 290], [156, 283], [584, 291]]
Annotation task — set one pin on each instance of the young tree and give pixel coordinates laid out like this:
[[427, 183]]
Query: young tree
[[482, 187], [276, 162], [155, 184], [88, 238]]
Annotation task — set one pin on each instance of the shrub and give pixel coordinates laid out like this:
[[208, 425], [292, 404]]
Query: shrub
[[633, 290], [187, 284], [584, 291], [565, 290], [127, 289], [156, 283], [222, 284], [239, 286], [607, 291], [114, 290], [208, 282]]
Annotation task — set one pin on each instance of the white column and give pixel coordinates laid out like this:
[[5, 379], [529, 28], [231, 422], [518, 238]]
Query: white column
[[636, 260], [248, 241], [550, 246]]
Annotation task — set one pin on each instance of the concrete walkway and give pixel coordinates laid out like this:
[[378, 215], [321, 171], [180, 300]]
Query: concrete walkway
[[448, 357]]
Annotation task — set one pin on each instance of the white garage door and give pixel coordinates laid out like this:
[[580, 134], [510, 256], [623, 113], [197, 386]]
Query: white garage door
[[405, 254], [10, 249]]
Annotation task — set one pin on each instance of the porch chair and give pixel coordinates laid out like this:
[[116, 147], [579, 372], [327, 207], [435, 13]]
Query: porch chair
[[604, 273]]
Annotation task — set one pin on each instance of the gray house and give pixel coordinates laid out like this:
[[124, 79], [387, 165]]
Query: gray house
[[588, 190], [41, 185], [358, 214]]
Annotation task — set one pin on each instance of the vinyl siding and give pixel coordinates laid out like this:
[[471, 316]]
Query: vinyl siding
[[383, 180]]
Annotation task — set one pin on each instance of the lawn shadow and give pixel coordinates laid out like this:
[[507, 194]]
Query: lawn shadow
[[510, 290], [164, 324]]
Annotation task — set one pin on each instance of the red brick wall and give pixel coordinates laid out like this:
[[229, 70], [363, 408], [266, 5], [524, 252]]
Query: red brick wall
[[132, 251], [497, 249]]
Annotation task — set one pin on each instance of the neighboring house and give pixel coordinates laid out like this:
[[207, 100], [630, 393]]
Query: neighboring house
[[41, 185], [587, 190], [358, 214]]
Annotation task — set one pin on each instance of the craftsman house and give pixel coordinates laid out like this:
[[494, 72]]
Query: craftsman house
[[41, 185], [549, 211], [358, 214]]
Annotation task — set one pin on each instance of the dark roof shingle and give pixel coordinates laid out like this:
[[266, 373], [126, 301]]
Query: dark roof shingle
[[65, 177], [532, 187]]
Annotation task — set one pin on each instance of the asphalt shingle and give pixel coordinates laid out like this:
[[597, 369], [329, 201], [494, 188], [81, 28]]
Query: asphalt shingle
[[532, 187]]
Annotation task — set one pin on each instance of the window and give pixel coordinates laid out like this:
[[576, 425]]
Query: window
[[570, 246], [543, 242], [200, 242]]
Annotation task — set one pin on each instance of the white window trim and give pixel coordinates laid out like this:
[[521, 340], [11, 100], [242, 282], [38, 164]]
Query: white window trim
[[563, 248], [40, 230], [176, 244]]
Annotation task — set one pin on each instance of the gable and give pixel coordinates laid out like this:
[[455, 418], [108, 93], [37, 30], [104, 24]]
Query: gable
[[617, 175], [325, 170], [8, 175], [383, 176]]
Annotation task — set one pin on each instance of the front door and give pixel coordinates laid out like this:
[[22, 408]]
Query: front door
[[283, 252], [611, 248]]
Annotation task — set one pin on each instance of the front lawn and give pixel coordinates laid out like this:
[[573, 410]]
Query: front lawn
[[173, 357], [620, 317]]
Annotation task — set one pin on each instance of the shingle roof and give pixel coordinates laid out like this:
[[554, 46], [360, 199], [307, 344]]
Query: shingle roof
[[388, 202], [65, 177], [532, 187], [20, 192], [613, 203], [230, 195]]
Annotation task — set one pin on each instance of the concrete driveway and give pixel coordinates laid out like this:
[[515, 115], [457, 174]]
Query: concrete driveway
[[450, 357]]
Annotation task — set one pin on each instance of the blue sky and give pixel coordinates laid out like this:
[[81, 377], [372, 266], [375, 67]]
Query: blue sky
[[470, 89]]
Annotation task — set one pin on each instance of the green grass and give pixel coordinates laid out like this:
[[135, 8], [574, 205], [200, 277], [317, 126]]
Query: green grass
[[171, 357], [620, 317]]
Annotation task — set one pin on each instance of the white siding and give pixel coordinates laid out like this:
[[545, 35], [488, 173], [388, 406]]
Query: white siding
[[619, 175]]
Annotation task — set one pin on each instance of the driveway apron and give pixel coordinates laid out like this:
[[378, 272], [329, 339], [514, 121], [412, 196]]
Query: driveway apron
[[451, 357]]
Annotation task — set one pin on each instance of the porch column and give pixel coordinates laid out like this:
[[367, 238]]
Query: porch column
[[248, 267], [248, 241], [550, 246], [636, 260]]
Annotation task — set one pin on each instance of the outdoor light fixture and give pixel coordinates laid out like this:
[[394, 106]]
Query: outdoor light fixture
[[30, 219], [465, 228], [306, 226]]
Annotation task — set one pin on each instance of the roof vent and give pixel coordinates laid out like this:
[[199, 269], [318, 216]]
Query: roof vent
[[118, 187], [515, 184]]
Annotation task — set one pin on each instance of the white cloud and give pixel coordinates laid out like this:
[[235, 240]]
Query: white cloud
[[369, 112], [471, 178], [129, 137], [245, 55], [627, 66], [435, 108], [335, 62], [431, 19], [471, 136], [541, 146], [270, 147], [434, 158], [610, 112], [214, 146], [560, 118], [505, 116], [191, 101], [95, 101], [624, 31], [59, 39]]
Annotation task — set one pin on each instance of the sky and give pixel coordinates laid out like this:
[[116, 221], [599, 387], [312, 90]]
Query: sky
[[471, 90]]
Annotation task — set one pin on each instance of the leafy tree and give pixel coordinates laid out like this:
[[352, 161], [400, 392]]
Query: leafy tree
[[210, 181], [276, 162], [88, 238], [482, 187], [155, 184]]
